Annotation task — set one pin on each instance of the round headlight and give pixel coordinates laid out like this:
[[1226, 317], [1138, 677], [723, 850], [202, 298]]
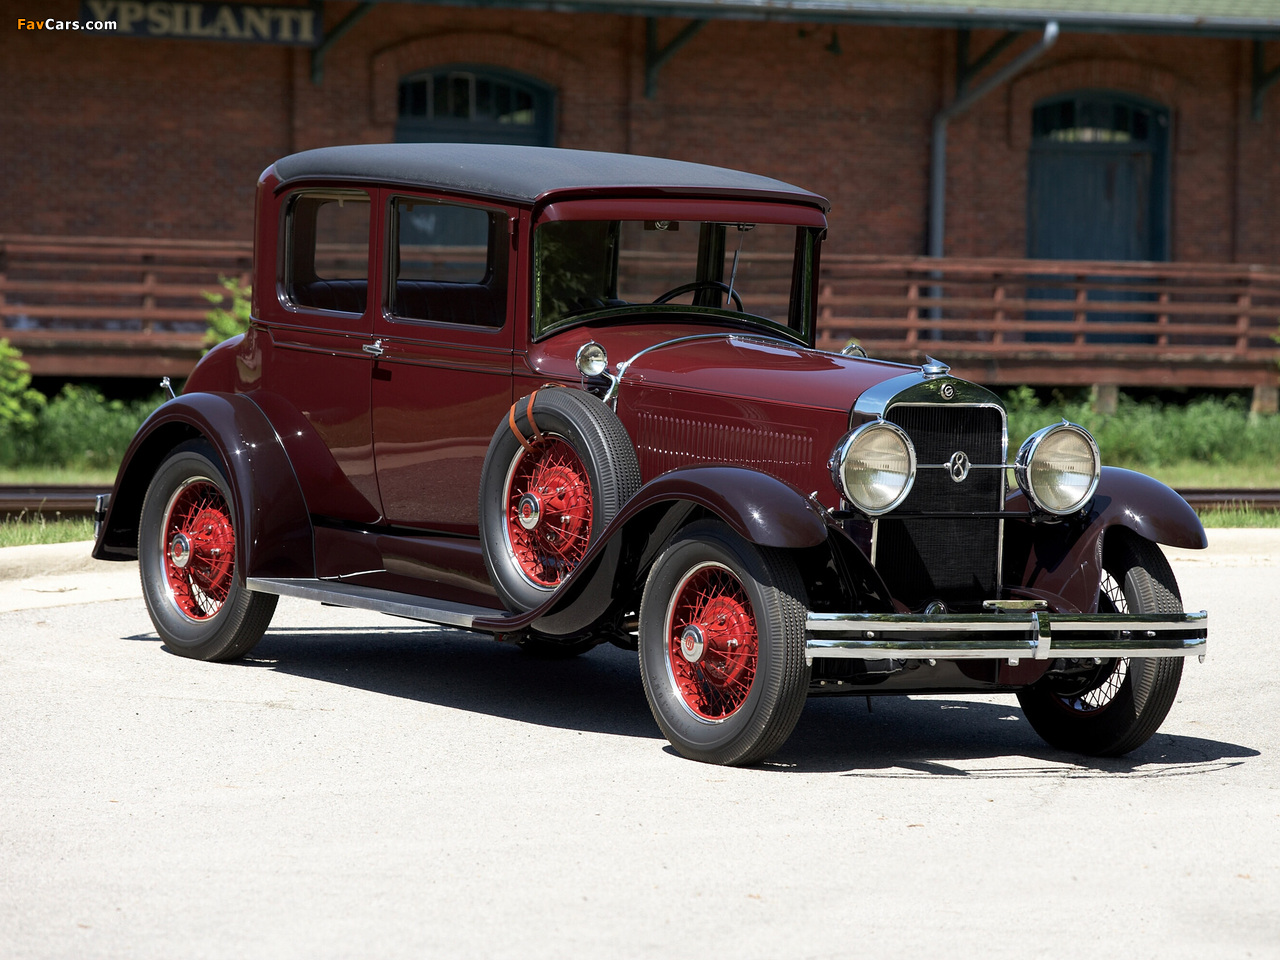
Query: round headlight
[[591, 359], [875, 466], [1058, 468]]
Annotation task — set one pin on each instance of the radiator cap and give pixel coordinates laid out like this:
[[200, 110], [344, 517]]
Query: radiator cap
[[934, 368]]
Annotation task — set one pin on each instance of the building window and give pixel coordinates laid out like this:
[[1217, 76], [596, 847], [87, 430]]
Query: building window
[[1094, 119], [474, 105]]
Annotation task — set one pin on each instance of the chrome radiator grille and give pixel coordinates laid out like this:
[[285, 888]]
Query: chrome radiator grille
[[955, 560]]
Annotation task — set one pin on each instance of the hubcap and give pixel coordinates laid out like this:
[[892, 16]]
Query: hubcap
[[548, 511], [712, 642], [692, 644], [529, 511], [180, 551], [199, 549]]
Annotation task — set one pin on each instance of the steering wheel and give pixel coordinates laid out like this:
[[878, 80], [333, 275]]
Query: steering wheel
[[698, 285]]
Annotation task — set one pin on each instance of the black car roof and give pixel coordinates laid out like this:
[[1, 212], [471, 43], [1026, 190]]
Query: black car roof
[[526, 174]]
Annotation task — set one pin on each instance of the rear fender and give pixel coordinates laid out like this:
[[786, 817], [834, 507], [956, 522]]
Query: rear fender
[[1061, 561], [274, 530]]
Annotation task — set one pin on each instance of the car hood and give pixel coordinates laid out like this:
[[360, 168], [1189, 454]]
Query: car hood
[[722, 363]]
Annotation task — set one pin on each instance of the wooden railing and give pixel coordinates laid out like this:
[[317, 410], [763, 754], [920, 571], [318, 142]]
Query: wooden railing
[[1062, 322], [110, 306]]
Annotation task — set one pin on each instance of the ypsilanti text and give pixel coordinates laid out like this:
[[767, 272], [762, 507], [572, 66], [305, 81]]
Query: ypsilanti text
[[246, 23]]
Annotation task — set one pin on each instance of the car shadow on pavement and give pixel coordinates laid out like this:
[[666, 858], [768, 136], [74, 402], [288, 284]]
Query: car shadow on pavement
[[908, 737], [598, 692], [601, 692]]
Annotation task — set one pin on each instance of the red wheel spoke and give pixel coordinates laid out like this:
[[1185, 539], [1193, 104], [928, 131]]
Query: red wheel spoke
[[548, 511], [199, 549], [712, 642]]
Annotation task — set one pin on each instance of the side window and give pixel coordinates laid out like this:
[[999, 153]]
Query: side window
[[448, 263], [327, 251]]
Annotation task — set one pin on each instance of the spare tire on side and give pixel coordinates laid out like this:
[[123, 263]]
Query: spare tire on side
[[558, 469]]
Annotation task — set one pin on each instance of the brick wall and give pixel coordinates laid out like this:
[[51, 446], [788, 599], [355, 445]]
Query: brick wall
[[123, 136]]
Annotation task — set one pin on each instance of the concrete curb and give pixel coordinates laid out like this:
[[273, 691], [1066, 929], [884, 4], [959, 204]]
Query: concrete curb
[[49, 559]]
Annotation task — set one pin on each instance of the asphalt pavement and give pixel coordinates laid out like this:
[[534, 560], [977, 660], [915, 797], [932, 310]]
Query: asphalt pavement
[[361, 786]]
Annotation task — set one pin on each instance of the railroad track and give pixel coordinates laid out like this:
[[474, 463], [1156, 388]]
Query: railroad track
[[69, 501]]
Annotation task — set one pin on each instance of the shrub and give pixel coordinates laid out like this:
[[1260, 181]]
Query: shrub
[[1149, 433], [80, 428], [225, 323], [20, 405]]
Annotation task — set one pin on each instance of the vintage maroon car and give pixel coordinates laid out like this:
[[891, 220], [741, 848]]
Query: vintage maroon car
[[565, 398]]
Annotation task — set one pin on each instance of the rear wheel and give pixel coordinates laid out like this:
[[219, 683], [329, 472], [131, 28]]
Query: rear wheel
[[187, 560], [1111, 708], [722, 641]]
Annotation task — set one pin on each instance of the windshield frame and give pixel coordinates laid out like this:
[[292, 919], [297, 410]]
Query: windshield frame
[[809, 221]]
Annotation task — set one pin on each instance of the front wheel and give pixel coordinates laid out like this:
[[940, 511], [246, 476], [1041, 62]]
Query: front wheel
[[1110, 708], [722, 642], [187, 559]]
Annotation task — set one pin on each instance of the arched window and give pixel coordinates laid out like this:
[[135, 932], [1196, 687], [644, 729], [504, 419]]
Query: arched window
[[464, 104]]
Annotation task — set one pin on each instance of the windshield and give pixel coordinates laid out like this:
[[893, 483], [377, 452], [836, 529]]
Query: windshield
[[757, 271]]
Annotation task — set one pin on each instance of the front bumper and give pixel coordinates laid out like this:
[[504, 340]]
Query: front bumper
[[1012, 636], [100, 504]]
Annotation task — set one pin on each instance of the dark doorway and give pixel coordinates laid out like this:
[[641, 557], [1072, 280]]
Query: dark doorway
[[1098, 189], [471, 104]]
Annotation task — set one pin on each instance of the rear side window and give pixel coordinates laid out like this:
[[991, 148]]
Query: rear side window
[[448, 263], [327, 251]]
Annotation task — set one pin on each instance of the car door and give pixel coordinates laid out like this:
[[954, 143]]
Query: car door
[[319, 323], [442, 383]]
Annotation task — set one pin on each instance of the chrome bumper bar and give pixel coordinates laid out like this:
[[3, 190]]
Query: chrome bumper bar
[[1036, 635]]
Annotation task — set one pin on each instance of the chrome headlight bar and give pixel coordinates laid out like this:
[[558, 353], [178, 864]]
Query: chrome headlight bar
[[874, 467]]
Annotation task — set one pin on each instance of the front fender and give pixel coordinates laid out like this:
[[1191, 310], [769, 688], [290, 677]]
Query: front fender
[[273, 527], [1062, 560], [758, 507]]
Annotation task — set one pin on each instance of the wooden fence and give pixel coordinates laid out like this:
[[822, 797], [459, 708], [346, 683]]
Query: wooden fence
[[106, 306], [122, 307], [1062, 322]]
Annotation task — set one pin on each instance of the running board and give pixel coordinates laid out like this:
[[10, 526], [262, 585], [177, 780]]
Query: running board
[[339, 594]]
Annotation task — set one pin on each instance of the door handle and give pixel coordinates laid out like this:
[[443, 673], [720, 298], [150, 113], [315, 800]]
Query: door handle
[[373, 349]]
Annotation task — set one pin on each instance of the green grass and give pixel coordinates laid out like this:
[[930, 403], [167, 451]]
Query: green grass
[[1240, 517], [24, 530], [71, 476], [1189, 475]]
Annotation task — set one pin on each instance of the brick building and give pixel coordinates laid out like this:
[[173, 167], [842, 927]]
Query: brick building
[[1142, 130]]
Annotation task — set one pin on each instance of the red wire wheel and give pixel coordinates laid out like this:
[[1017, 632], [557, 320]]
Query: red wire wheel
[[548, 511], [199, 545], [712, 642]]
